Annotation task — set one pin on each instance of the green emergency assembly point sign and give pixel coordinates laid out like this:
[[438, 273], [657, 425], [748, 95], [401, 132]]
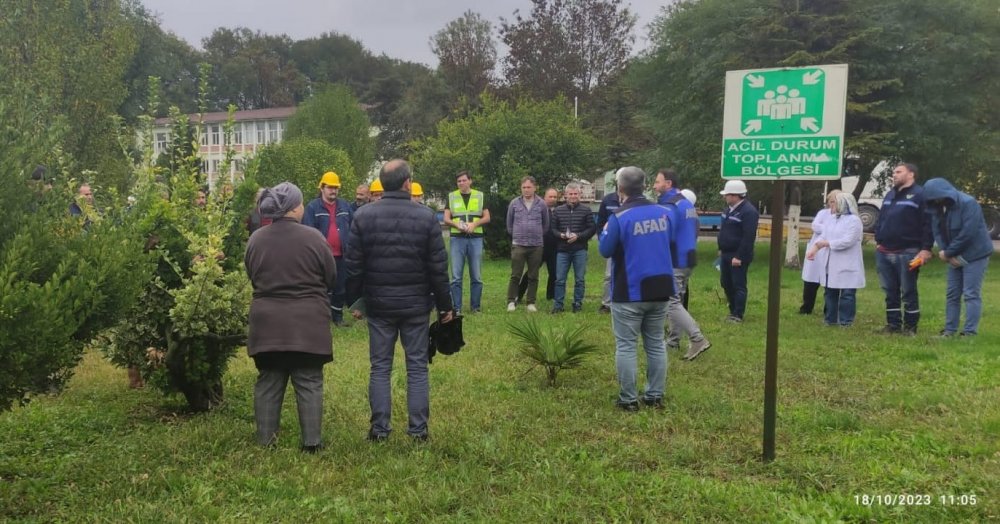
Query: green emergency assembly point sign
[[784, 123]]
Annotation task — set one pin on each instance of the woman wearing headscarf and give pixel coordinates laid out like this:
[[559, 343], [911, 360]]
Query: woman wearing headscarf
[[291, 269], [844, 271], [813, 269]]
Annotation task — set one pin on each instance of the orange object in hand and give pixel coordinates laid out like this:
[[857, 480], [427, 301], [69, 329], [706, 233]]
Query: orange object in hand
[[916, 262]]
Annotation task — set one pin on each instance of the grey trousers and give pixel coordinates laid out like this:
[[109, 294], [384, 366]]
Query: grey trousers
[[680, 320], [382, 335], [269, 393]]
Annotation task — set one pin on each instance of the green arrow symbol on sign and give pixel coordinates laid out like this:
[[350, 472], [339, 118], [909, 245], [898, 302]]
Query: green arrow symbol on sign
[[808, 124]]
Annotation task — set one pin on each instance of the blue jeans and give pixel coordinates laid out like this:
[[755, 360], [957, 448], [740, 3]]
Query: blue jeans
[[840, 306], [578, 259], [965, 283], [412, 332], [900, 286], [628, 319], [463, 248], [734, 283]]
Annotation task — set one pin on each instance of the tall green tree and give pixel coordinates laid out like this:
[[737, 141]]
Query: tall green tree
[[73, 55], [499, 144], [466, 54], [253, 70], [335, 116], [163, 55], [567, 47]]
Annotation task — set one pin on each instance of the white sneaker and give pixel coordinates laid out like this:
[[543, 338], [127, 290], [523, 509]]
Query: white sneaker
[[511, 306], [532, 308]]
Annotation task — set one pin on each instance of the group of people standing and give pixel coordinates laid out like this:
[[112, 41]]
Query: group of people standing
[[385, 256], [912, 220]]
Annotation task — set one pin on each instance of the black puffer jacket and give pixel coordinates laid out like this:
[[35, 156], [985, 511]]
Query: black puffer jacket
[[397, 258], [577, 219]]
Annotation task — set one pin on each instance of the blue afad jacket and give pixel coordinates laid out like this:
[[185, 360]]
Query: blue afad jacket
[[637, 240], [684, 232], [957, 222], [317, 216]]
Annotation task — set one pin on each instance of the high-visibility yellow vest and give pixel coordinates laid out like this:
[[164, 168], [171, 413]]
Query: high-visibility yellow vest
[[459, 212]]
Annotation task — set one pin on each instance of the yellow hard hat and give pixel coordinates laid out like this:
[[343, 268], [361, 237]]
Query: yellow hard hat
[[329, 179], [376, 186], [416, 190]]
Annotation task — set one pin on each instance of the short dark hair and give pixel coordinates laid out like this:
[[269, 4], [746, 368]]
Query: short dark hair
[[461, 174], [671, 175], [631, 181], [531, 179], [393, 174], [910, 167]]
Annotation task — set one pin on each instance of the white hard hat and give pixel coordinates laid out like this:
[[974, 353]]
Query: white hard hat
[[688, 194], [734, 187]]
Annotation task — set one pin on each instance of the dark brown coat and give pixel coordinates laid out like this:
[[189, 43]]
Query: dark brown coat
[[291, 268]]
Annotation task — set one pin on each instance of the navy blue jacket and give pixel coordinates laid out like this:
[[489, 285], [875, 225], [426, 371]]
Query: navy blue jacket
[[957, 222], [903, 222], [609, 204], [684, 235], [738, 231], [316, 216], [397, 259], [637, 240]]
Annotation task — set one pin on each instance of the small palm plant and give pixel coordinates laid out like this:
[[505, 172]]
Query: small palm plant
[[554, 351]]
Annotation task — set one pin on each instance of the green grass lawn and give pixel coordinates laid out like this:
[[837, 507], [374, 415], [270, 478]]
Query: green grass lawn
[[859, 414]]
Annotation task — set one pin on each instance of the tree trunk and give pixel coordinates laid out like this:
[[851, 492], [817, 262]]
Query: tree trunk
[[794, 213]]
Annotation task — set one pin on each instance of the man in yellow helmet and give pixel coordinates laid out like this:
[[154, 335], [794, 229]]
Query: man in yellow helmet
[[375, 191], [417, 193], [466, 215], [332, 216]]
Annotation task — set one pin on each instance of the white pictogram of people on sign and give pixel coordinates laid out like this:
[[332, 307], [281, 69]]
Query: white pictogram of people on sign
[[781, 104]]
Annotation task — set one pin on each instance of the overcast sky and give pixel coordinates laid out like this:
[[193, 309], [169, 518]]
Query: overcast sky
[[398, 28]]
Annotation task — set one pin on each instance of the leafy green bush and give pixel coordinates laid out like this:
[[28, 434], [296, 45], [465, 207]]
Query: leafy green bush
[[193, 315], [60, 282], [302, 161], [549, 349]]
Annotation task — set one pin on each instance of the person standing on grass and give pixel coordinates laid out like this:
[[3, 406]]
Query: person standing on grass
[[964, 243], [637, 240], [466, 215], [291, 269], [902, 235], [737, 235], [683, 252], [843, 271], [813, 269], [548, 251], [398, 265], [609, 204], [573, 224], [527, 223], [332, 216]]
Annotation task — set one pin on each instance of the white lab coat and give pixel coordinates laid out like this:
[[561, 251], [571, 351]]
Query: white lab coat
[[813, 270], [845, 266]]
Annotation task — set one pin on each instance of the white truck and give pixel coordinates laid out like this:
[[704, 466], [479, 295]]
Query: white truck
[[870, 202]]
